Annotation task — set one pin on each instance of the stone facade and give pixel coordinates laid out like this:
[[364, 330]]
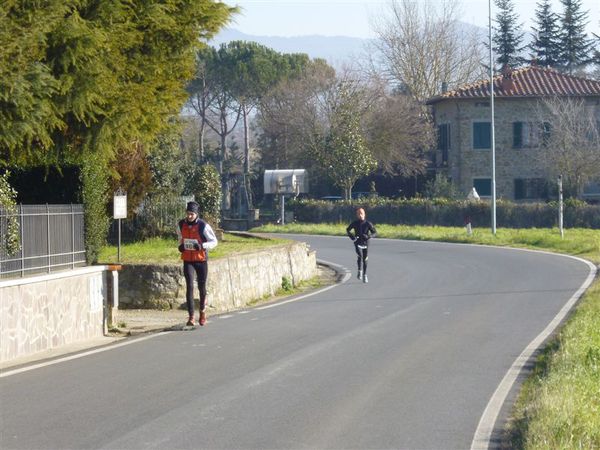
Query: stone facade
[[44, 312], [465, 164], [523, 131], [233, 282]]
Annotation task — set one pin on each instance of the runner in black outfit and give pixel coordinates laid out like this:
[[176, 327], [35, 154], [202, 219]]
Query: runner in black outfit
[[360, 231]]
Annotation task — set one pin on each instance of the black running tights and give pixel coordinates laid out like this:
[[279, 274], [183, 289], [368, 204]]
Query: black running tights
[[363, 256], [200, 270]]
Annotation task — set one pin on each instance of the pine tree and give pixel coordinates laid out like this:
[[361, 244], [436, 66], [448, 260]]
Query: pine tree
[[507, 35], [576, 48], [545, 45]]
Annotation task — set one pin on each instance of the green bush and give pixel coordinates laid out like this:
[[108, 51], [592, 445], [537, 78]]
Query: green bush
[[286, 284], [207, 190], [9, 222], [446, 212], [94, 182]]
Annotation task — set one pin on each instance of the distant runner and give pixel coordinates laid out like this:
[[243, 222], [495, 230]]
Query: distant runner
[[360, 231]]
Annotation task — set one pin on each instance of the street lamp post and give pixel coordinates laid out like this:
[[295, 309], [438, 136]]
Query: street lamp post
[[493, 137]]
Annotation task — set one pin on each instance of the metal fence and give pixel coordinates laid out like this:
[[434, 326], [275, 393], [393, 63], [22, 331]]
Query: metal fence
[[51, 238]]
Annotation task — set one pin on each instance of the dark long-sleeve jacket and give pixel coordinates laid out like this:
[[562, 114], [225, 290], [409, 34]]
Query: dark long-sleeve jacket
[[361, 231]]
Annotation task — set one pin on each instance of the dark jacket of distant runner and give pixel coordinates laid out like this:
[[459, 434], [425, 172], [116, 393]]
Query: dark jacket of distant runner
[[360, 231]]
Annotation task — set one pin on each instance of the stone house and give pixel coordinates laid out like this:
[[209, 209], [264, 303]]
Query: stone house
[[463, 121]]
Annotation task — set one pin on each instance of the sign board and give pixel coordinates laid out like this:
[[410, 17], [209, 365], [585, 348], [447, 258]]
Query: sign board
[[120, 207], [291, 182]]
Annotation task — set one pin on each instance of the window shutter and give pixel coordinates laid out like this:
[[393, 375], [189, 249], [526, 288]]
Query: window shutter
[[482, 135], [517, 134], [519, 189]]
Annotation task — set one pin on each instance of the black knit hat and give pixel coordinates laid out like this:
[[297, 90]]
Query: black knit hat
[[192, 207]]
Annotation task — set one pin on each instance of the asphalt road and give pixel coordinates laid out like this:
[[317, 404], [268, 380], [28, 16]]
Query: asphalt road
[[409, 360]]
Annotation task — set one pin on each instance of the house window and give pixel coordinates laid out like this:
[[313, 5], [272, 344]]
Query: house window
[[444, 141], [546, 133], [530, 188], [526, 134], [483, 186], [482, 135], [530, 134]]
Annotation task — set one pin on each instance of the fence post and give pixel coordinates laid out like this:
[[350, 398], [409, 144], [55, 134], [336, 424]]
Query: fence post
[[48, 234], [21, 240], [72, 237]]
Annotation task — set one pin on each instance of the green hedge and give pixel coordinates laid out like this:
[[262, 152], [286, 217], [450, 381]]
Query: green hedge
[[443, 212], [9, 220]]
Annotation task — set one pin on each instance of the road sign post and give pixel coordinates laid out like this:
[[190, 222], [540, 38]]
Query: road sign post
[[119, 212]]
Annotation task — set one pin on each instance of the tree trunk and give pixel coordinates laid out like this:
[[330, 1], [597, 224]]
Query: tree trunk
[[200, 155], [246, 180]]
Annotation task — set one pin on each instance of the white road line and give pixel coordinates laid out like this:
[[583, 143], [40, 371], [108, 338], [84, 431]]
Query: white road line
[[8, 373], [485, 428], [80, 355], [483, 433], [295, 299]]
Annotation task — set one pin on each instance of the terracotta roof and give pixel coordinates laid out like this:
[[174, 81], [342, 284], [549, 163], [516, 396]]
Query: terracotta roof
[[532, 81]]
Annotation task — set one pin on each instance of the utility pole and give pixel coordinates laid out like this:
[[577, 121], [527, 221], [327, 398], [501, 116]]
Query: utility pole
[[560, 207], [493, 137]]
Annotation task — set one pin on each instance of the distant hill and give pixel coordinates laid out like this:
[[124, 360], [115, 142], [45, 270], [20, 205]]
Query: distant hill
[[335, 49]]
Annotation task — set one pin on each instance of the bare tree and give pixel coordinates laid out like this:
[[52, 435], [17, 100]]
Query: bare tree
[[400, 134], [573, 141], [295, 118], [292, 114], [201, 97], [421, 45]]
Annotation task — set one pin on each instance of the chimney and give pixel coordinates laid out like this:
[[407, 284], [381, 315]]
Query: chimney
[[507, 81], [444, 87]]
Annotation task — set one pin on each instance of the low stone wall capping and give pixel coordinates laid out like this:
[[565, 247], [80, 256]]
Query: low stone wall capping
[[233, 281]]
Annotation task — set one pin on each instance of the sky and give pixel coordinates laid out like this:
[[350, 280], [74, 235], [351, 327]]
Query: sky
[[355, 18]]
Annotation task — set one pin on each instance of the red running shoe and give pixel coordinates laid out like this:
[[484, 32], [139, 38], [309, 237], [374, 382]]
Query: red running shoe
[[202, 318]]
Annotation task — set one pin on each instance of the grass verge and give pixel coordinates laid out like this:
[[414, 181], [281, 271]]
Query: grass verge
[[164, 251], [559, 404], [581, 242]]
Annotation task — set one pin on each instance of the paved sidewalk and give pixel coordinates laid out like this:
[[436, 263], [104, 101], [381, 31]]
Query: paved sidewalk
[[134, 322]]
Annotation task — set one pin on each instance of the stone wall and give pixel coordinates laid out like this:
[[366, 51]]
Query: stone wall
[[44, 312], [232, 282]]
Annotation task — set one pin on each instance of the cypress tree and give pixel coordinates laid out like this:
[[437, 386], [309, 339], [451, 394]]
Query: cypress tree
[[575, 46], [507, 35], [545, 45]]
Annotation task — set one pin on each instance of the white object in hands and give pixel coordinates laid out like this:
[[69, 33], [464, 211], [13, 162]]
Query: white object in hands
[[188, 244]]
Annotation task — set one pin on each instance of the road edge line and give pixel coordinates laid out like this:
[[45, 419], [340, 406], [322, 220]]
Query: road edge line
[[71, 357], [340, 270], [487, 422]]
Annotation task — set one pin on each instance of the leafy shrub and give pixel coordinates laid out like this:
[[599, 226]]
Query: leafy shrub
[[94, 181], [286, 284], [9, 222], [206, 188], [440, 187], [133, 175], [445, 212]]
